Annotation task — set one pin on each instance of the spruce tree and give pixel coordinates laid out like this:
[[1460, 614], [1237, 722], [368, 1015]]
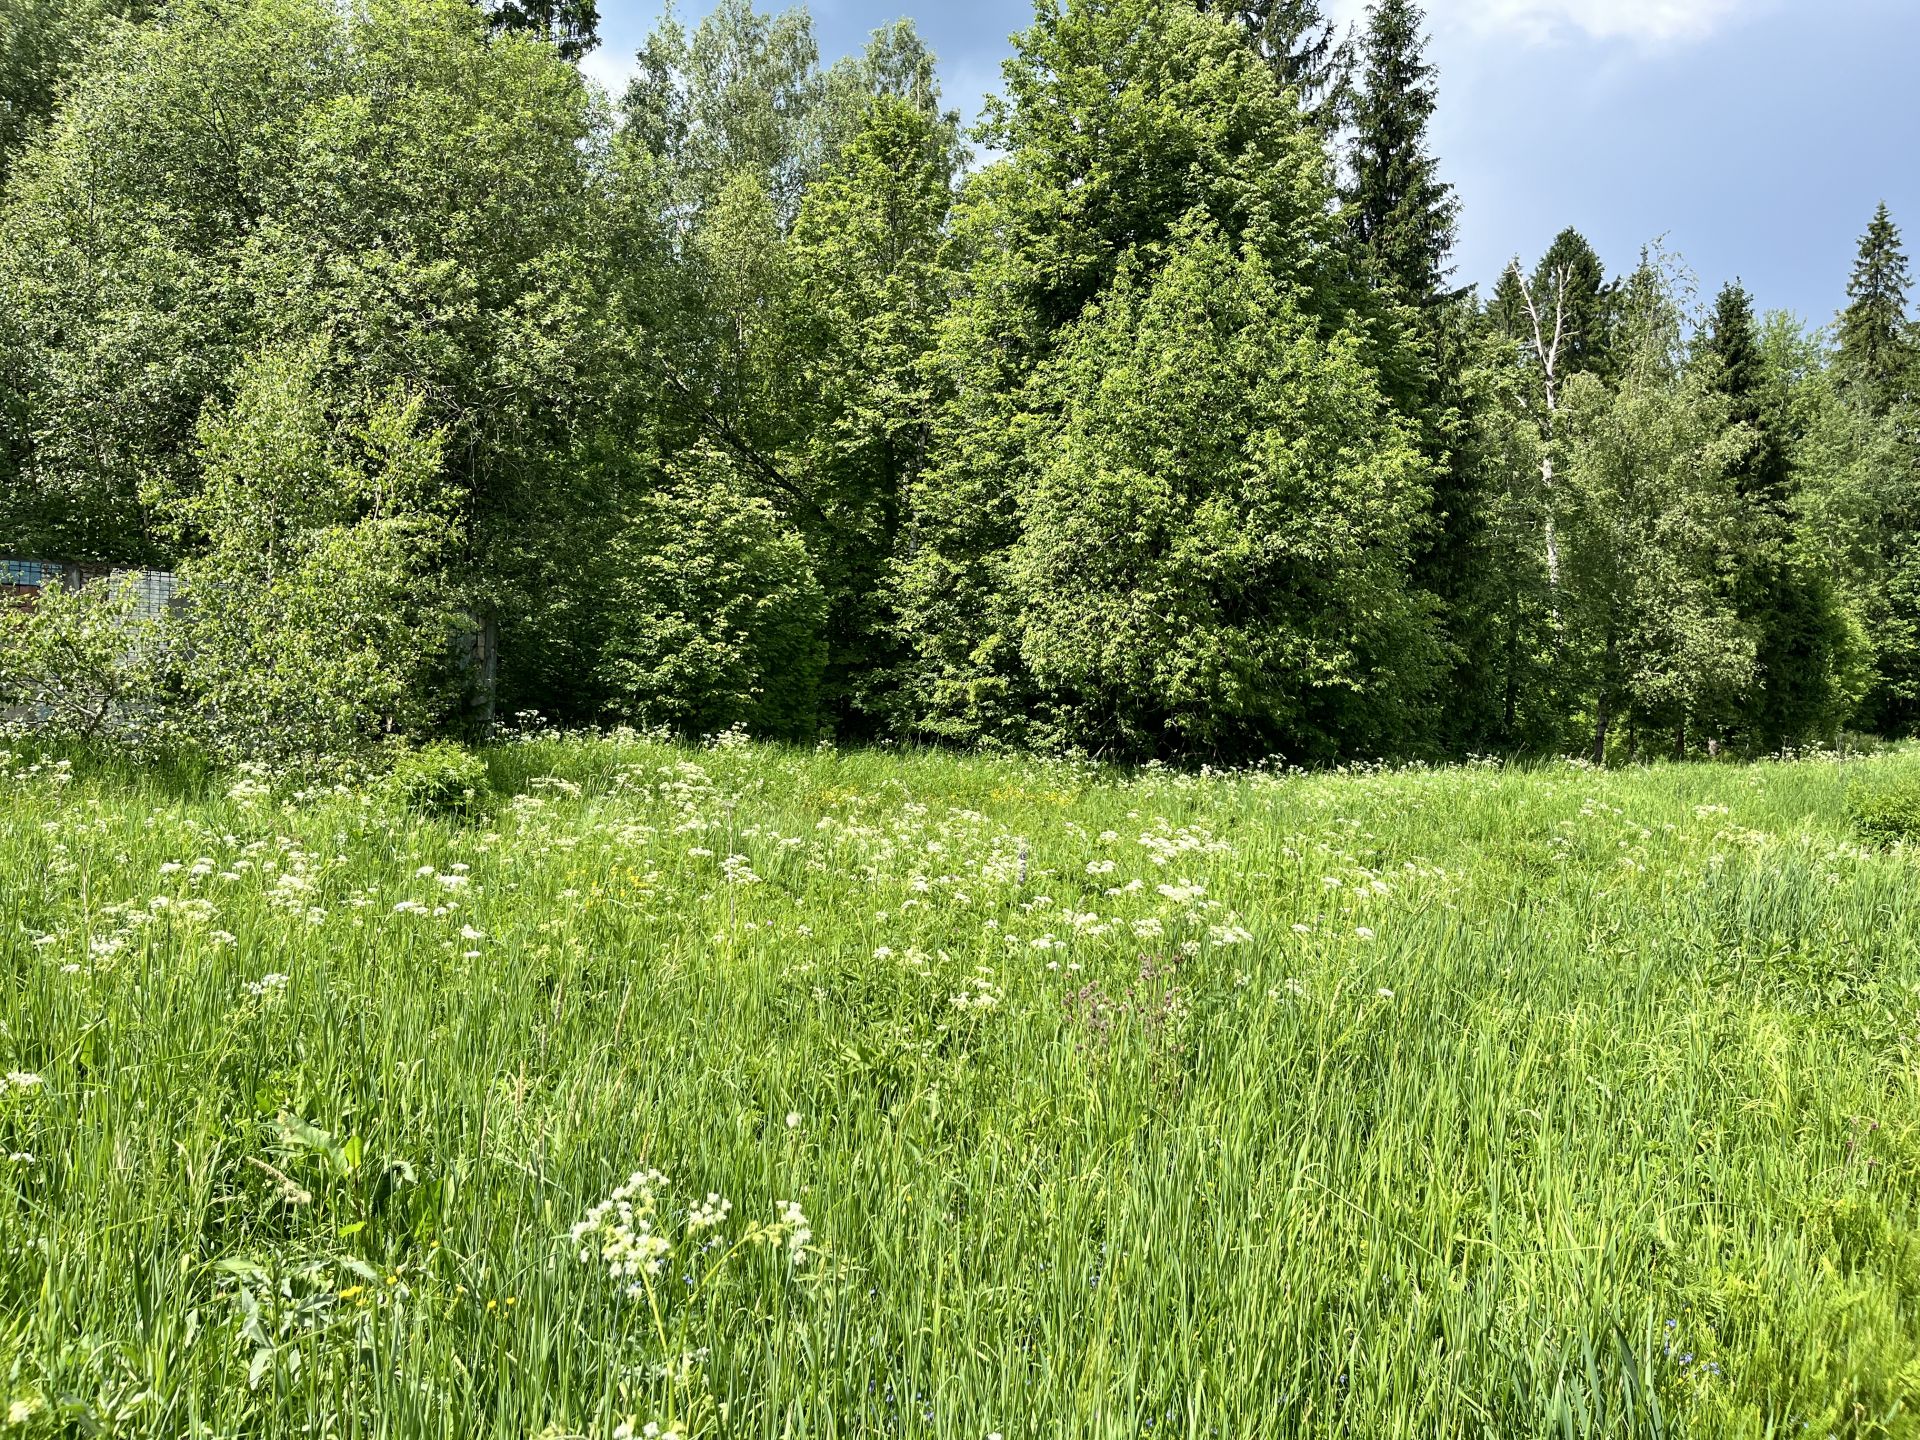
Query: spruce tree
[[1732, 339], [573, 26], [1877, 370], [1506, 308], [1402, 214], [1784, 601], [1570, 276], [1878, 358], [1303, 47], [1401, 222]]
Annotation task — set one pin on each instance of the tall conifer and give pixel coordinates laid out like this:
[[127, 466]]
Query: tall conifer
[[1590, 302], [1785, 603], [1878, 354], [1403, 215], [1303, 47]]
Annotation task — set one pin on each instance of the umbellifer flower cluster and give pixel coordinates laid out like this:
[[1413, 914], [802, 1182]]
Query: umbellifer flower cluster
[[634, 1232], [652, 1430], [622, 1232]]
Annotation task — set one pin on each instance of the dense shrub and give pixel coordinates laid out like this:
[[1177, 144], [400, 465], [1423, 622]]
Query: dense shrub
[[1889, 813], [319, 620], [717, 618], [82, 664], [440, 778]]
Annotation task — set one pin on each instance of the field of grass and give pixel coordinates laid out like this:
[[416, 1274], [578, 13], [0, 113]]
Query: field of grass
[[1046, 1102]]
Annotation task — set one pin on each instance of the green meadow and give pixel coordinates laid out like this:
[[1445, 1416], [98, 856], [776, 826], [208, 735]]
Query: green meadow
[[738, 1091]]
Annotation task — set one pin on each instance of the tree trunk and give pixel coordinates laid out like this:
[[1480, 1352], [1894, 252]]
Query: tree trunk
[[1552, 536], [1547, 353], [1602, 719]]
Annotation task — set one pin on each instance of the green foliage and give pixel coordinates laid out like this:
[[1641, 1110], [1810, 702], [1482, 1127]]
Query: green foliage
[[1782, 587], [1152, 437], [85, 664], [320, 618], [1572, 277], [1498, 586], [1402, 221], [740, 95], [1214, 552], [420, 202], [1648, 513], [1304, 48], [1404, 217], [1858, 480], [869, 291], [1887, 813], [42, 44], [715, 617], [439, 778], [805, 288], [1132, 133], [572, 26]]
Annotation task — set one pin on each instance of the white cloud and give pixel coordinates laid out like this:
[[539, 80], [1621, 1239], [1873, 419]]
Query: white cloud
[[1655, 22], [1646, 22], [613, 69]]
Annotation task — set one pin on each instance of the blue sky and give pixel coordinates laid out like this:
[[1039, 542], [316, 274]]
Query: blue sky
[[1755, 136]]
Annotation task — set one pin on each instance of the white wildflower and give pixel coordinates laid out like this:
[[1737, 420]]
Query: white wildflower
[[710, 1213], [793, 1221]]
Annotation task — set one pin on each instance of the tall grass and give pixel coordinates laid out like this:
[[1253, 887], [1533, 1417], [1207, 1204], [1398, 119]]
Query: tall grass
[[1437, 1103]]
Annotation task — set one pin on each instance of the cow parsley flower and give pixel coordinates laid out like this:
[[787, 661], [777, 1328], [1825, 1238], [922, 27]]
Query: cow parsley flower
[[799, 1232], [709, 1214]]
